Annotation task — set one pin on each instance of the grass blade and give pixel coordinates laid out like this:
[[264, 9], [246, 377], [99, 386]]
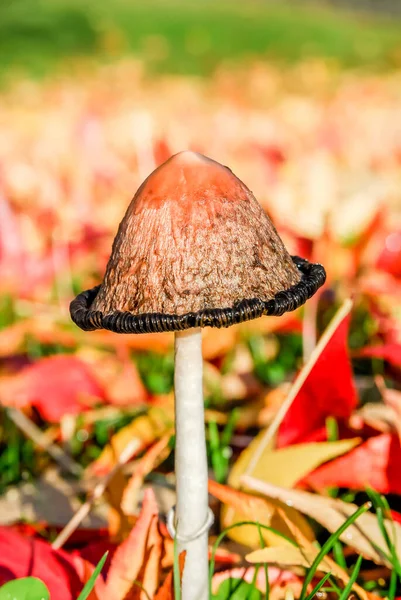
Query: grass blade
[[347, 590], [265, 567], [327, 546], [89, 585], [222, 536], [318, 587]]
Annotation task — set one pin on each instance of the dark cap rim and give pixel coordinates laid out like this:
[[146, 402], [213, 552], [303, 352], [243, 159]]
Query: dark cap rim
[[313, 277]]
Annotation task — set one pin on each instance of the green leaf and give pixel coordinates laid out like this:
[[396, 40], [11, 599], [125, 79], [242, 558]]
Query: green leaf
[[237, 589], [26, 588]]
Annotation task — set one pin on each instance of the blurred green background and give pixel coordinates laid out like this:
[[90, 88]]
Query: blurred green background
[[192, 37]]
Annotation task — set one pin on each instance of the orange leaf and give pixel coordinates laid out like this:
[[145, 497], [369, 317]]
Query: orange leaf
[[145, 429], [137, 559], [166, 591], [248, 507]]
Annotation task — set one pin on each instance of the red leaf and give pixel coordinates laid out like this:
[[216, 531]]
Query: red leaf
[[56, 386], [390, 352], [93, 552], [390, 257], [375, 463], [328, 391], [23, 557]]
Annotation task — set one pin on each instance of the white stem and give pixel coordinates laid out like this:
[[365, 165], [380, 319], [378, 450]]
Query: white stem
[[191, 463]]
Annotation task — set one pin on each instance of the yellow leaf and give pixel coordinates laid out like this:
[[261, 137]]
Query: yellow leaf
[[287, 556], [239, 506], [118, 522], [286, 466], [151, 459], [144, 429]]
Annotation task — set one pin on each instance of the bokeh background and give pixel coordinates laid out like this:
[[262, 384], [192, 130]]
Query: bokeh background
[[302, 101]]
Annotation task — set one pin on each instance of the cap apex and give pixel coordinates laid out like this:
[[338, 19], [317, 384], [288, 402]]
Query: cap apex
[[189, 157]]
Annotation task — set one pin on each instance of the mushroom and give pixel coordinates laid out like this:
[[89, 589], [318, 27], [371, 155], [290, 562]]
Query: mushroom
[[194, 249]]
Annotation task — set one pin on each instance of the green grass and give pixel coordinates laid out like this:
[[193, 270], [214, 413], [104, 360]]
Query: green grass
[[187, 36]]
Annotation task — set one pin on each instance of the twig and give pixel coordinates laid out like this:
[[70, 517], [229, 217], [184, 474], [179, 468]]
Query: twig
[[297, 385], [130, 449], [40, 438]]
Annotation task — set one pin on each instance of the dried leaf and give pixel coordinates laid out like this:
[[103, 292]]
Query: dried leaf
[[364, 535], [290, 556], [392, 398], [286, 466], [145, 429], [279, 580], [246, 507], [153, 457], [287, 556], [136, 559], [119, 524], [166, 591]]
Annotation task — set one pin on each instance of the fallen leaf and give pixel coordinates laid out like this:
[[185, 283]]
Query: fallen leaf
[[137, 559], [287, 556], [290, 556], [279, 580], [364, 535], [286, 466], [153, 457], [377, 415], [390, 352], [119, 524], [56, 386], [118, 376], [22, 557], [375, 463], [145, 429], [327, 391], [166, 591], [252, 508]]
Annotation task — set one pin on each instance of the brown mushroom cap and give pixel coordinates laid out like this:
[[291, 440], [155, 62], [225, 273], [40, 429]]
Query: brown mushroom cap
[[193, 239]]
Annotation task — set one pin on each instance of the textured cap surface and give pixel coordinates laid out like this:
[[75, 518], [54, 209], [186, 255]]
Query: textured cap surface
[[194, 237], [194, 249]]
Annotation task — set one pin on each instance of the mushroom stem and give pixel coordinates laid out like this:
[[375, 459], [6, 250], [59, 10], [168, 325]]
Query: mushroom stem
[[191, 464]]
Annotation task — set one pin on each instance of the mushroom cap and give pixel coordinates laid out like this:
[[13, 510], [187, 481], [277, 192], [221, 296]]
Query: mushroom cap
[[194, 242]]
